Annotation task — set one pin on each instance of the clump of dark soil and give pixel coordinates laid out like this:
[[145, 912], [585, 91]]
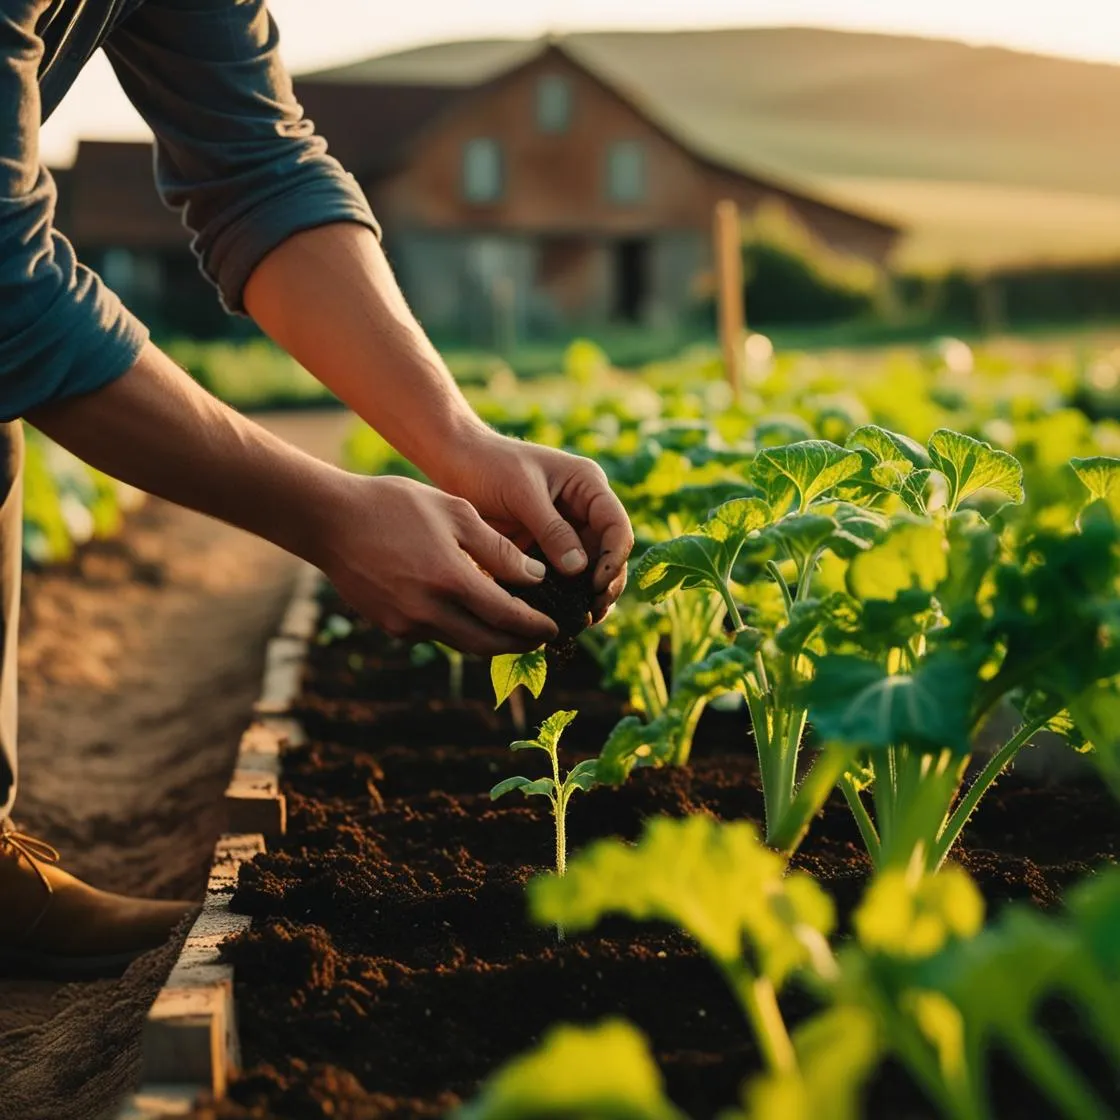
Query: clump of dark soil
[[391, 966], [567, 600]]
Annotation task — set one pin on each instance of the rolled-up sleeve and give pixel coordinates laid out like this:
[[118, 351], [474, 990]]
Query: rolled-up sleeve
[[234, 152], [62, 332]]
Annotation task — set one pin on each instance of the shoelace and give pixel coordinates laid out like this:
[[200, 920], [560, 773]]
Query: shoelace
[[34, 850]]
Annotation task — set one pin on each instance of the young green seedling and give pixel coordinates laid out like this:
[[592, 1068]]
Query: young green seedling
[[558, 790]]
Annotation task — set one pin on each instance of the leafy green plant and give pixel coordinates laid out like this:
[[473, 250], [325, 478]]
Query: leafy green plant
[[603, 1072], [779, 538], [947, 991], [716, 882], [945, 623], [582, 776]]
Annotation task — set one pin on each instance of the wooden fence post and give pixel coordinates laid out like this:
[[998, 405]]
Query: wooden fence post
[[728, 254]]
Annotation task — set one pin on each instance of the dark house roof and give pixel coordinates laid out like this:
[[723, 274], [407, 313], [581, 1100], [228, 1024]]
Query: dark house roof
[[371, 141]]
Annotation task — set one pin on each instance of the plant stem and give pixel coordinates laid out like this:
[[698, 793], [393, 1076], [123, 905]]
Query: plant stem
[[994, 768], [560, 816], [863, 819], [1061, 1083], [455, 675], [776, 574], [760, 1004], [790, 828], [732, 609]]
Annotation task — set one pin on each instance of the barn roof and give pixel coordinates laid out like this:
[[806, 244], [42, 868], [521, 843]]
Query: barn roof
[[404, 91]]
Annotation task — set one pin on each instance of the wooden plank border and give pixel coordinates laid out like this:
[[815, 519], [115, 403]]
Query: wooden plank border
[[189, 1044]]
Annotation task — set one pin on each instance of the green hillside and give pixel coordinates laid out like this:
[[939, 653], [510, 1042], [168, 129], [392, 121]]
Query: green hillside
[[987, 155]]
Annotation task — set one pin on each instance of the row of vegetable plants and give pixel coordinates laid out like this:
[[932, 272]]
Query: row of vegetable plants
[[885, 587]]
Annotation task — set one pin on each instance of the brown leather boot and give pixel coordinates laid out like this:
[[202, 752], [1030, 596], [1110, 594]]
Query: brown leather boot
[[54, 926]]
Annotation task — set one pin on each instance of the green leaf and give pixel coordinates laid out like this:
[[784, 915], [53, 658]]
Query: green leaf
[[508, 670], [969, 465], [737, 518], [715, 881], [553, 728], [1100, 475], [633, 741], [836, 1051], [602, 1072], [584, 775], [548, 737], [913, 918], [911, 555], [857, 703], [912, 490], [542, 787], [684, 562], [811, 468], [973, 550], [721, 671], [1096, 714], [887, 446]]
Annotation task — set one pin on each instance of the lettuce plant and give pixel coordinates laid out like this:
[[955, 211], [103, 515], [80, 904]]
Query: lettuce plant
[[558, 790]]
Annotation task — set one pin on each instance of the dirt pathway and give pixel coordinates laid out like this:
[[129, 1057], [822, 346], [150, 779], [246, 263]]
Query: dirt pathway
[[138, 669]]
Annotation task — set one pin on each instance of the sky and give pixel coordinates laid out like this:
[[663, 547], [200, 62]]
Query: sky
[[316, 33]]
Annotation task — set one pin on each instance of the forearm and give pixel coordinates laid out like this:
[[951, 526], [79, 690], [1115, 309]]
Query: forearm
[[329, 298], [158, 430]]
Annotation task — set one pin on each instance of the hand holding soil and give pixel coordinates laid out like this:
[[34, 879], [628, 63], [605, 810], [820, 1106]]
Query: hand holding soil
[[408, 557], [563, 503]]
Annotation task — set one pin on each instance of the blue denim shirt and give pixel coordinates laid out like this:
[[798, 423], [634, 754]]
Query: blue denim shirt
[[233, 154]]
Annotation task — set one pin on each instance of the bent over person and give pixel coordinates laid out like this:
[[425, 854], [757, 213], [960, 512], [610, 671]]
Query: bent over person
[[287, 237]]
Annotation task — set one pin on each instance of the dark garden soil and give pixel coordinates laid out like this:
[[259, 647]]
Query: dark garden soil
[[390, 966]]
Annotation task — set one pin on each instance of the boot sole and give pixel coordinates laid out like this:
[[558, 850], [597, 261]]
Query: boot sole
[[24, 964]]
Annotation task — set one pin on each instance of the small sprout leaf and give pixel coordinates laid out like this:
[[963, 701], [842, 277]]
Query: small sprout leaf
[[509, 670], [584, 775], [542, 787]]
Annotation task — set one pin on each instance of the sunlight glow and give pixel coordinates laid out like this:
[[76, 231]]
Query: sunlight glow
[[336, 31]]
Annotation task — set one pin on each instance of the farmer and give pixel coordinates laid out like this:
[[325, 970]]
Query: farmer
[[286, 236]]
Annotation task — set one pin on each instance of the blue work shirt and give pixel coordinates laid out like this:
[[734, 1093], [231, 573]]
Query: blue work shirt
[[234, 155]]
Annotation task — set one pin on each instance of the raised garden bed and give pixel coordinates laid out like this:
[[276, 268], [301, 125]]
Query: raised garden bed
[[390, 966]]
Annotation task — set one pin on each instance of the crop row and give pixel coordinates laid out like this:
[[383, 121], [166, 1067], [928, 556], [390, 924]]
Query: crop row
[[903, 575]]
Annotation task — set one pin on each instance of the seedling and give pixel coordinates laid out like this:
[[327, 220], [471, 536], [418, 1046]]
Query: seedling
[[558, 791], [423, 653]]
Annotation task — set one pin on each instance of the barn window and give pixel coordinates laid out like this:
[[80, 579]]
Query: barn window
[[482, 170], [554, 103], [626, 171]]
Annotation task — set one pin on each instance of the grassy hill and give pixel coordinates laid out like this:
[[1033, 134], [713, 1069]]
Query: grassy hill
[[989, 156]]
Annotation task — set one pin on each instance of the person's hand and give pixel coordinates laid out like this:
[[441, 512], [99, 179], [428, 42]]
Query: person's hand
[[410, 558], [562, 502]]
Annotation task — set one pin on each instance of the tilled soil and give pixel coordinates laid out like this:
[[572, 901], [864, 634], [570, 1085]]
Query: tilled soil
[[391, 966]]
